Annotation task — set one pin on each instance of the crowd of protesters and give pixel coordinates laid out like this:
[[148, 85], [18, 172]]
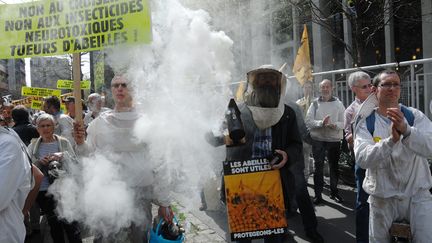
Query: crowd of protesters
[[390, 146], [49, 139], [43, 137]]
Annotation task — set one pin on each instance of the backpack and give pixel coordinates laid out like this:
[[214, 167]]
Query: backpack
[[370, 120]]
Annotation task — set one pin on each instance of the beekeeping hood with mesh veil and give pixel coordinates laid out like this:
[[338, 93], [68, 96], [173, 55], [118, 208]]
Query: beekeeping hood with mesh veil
[[264, 95]]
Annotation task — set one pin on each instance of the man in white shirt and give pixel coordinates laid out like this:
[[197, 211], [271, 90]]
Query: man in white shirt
[[113, 131], [325, 120], [393, 144], [15, 184]]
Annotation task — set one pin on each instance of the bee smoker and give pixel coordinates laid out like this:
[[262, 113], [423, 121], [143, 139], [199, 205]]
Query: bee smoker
[[164, 232], [275, 158], [236, 132]]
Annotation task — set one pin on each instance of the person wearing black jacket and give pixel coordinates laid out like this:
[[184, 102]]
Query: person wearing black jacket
[[25, 130], [302, 197], [270, 126]]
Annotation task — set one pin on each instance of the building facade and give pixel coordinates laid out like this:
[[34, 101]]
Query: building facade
[[12, 77], [45, 71], [342, 34]]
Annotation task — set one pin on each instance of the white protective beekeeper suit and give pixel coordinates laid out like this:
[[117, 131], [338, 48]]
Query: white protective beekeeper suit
[[111, 134], [397, 176], [15, 184]]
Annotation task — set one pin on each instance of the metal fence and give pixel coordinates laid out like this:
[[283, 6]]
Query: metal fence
[[415, 82]]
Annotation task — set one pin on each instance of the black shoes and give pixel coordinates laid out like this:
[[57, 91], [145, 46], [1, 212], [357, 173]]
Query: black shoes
[[337, 198], [318, 200], [314, 236]]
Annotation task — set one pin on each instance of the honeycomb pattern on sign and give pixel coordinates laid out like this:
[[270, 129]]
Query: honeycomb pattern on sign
[[253, 206]]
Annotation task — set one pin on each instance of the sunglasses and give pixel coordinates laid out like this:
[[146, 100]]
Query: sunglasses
[[366, 86], [117, 85]]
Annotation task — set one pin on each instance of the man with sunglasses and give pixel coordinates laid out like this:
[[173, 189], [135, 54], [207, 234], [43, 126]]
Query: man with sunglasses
[[360, 84], [394, 154], [111, 134]]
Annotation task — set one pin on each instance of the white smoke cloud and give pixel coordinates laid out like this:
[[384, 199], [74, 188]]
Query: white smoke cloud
[[96, 195], [180, 87]]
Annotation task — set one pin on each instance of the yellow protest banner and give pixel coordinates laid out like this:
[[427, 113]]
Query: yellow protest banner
[[39, 92], [254, 199], [68, 84], [25, 101], [36, 104], [54, 27]]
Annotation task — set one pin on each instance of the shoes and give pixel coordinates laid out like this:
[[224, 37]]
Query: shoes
[[337, 198], [314, 236], [318, 200]]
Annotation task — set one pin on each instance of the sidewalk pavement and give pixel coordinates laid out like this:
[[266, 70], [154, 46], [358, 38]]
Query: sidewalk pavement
[[201, 228], [336, 222]]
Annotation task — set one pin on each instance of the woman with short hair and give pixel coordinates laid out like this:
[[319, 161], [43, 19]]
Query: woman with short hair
[[48, 149]]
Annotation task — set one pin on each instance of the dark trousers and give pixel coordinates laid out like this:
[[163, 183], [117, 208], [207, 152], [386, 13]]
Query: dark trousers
[[362, 208], [47, 204], [319, 150], [302, 197]]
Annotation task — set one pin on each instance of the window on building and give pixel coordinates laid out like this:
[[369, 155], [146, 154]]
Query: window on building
[[407, 30]]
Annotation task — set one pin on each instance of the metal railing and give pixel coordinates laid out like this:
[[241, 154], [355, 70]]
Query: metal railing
[[415, 82]]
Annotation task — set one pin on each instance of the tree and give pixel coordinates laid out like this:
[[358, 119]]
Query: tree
[[366, 18]]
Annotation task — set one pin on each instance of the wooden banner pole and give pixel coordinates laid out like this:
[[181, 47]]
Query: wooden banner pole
[[76, 68]]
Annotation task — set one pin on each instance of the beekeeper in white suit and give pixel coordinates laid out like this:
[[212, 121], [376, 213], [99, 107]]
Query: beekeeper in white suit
[[113, 131], [394, 153]]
